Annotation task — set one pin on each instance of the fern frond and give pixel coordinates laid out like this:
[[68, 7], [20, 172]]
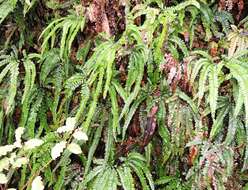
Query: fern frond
[[149, 177], [225, 19], [120, 90], [130, 114], [60, 181], [181, 45], [113, 182], [6, 7], [207, 17], [85, 94], [218, 123], [94, 145], [110, 57], [109, 143], [97, 170], [94, 101], [213, 89], [14, 72], [8, 68], [70, 26], [115, 111], [232, 126], [140, 175], [74, 82], [49, 62], [239, 100], [126, 178], [102, 180], [141, 63], [30, 74], [33, 114], [240, 74], [202, 82], [196, 68]]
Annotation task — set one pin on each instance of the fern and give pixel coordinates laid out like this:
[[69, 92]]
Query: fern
[[11, 64], [225, 18], [50, 61], [70, 26], [126, 178], [239, 73], [213, 89], [140, 64], [30, 74], [211, 71], [28, 4], [101, 107], [6, 7], [238, 42], [94, 144], [59, 183]]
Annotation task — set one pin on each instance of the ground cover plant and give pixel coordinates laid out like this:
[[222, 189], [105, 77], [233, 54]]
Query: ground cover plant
[[119, 94]]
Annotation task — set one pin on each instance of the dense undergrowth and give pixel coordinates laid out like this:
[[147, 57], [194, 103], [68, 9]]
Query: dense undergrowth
[[108, 94]]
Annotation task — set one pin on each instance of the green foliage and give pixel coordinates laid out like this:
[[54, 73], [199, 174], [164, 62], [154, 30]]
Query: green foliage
[[70, 26], [159, 103], [99, 177], [6, 7]]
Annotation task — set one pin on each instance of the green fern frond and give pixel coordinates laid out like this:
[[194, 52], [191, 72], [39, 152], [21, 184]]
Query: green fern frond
[[6, 7], [30, 74], [232, 127], [240, 74], [138, 171], [60, 180], [101, 181], [12, 88], [50, 61], [70, 26], [74, 82], [218, 123], [126, 178], [181, 45], [114, 181], [213, 89], [109, 143], [85, 95], [94, 144], [130, 114], [97, 170], [115, 112], [110, 57], [142, 54], [239, 100], [196, 68], [202, 81], [121, 91], [94, 101], [225, 19], [33, 114], [207, 17]]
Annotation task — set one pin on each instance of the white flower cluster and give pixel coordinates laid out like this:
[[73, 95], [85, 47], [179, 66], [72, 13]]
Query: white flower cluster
[[37, 184], [13, 160], [10, 159], [74, 148]]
